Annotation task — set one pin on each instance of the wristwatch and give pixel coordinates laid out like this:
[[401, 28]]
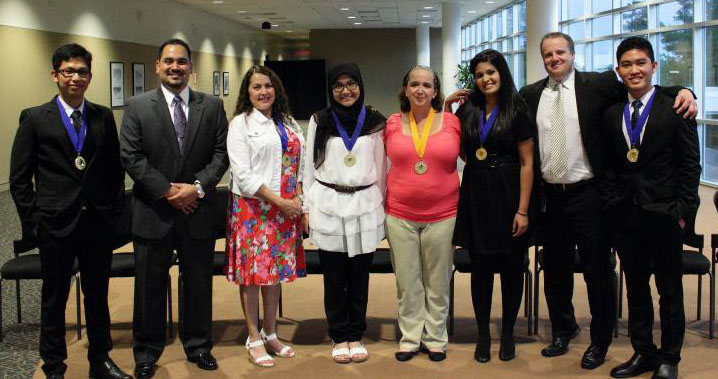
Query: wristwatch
[[200, 191]]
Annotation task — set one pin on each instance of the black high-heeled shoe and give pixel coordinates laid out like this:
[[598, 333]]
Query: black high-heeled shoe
[[507, 349], [482, 354]]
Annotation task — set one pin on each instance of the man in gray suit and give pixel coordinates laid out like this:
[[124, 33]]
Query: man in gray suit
[[173, 145]]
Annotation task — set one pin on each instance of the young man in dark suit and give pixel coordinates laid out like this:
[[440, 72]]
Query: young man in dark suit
[[173, 145], [652, 171], [568, 105], [69, 147]]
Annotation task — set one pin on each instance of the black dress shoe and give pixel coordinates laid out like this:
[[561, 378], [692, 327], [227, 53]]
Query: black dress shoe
[[593, 357], [205, 361], [108, 370], [666, 371], [403, 356], [637, 365], [435, 356], [145, 370], [507, 349], [482, 354], [559, 345], [55, 376]]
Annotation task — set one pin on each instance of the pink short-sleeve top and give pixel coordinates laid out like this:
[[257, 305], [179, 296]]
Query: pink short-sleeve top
[[432, 196]]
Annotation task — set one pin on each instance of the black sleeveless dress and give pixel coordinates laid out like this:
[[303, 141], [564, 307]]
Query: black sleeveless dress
[[490, 189]]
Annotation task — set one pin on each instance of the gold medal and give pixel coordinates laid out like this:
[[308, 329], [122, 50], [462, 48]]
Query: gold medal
[[632, 155], [481, 153], [350, 159], [286, 161], [420, 167], [80, 163]]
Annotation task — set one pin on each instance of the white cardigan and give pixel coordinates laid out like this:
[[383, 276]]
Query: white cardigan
[[255, 153]]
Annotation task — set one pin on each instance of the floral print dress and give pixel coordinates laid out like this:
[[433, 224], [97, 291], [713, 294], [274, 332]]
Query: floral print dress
[[263, 246]]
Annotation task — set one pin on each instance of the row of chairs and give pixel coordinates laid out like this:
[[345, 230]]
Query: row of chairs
[[27, 266]]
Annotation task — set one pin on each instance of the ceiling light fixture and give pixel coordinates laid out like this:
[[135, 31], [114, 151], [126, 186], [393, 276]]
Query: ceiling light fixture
[[241, 11], [428, 7], [344, 9], [425, 22], [357, 23], [218, 2], [275, 25], [472, 11], [351, 17], [490, 2], [425, 16]]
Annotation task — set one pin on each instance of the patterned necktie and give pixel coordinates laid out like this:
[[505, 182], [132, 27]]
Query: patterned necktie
[[76, 117], [180, 121], [558, 164], [637, 104]]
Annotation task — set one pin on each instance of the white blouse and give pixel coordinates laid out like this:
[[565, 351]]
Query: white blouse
[[255, 153], [346, 222]]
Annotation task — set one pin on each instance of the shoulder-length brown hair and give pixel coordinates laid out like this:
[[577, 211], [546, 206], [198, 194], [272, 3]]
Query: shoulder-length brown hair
[[437, 102], [280, 108]]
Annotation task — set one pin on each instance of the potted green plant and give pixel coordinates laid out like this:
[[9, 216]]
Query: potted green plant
[[464, 76]]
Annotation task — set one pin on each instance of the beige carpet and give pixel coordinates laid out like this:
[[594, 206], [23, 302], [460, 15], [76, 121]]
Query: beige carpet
[[304, 326]]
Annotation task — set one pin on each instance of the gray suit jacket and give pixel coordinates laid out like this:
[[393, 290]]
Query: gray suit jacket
[[151, 156]]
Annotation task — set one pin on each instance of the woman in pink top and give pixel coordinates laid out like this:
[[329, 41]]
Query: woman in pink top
[[422, 144]]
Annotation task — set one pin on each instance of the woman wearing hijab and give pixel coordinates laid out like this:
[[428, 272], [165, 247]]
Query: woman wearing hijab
[[422, 144], [344, 181], [264, 233], [493, 215]]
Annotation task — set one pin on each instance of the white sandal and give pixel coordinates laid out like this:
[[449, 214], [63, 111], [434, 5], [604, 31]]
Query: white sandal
[[358, 351], [339, 352], [265, 360], [285, 352]]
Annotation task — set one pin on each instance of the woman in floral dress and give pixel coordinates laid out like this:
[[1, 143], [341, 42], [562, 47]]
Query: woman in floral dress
[[264, 240]]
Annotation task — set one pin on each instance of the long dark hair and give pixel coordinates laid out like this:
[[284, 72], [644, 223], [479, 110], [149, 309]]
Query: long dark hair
[[280, 108], [437, 102], [509, 100]]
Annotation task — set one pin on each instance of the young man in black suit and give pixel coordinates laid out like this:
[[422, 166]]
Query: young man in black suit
[[650, 186], [568, 105], [173, 145], [69, 147]]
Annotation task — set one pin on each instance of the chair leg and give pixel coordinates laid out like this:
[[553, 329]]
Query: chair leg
[[712, 315], [526, 298], [79, 306], [537, 286], [451, 304], [281, 311], [620, 291], [19, 303], [699, 300], [529, 304], [170, 323]]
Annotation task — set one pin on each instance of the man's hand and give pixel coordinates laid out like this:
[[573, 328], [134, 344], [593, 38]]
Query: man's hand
[[686, 103], [183, 196]]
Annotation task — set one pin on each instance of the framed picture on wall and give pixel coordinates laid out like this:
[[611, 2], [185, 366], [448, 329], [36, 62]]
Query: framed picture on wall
[[117, 84], [215, 83], [138, 78], [225, 83]]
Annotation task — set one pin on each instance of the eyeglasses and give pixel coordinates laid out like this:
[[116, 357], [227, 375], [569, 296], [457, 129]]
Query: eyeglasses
[[69, 73], [338, 87]]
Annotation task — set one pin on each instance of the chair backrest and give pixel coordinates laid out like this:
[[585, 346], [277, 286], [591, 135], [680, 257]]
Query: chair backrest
[[219, 207], [123, 230]]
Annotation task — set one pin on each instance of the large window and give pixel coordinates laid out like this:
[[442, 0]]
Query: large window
[[684, 34], [503, 30]]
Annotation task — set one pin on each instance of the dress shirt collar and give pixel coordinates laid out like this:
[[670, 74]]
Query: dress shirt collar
[[259, 117], [68, 109], [566, 84], [169, 95], [644, 98]]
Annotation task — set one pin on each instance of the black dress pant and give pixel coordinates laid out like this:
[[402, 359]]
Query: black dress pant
[[573, 219], [510, 268], [650, 243], [152, 262], [346, 292], [87, 243]]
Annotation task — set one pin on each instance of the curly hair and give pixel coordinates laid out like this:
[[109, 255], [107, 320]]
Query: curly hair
[[437, 102], [280, 108]]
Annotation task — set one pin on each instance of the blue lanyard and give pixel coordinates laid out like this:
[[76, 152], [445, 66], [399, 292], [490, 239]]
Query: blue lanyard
[[282, 134], [77, 139], [350, 142], [634, 134], [484, 127]]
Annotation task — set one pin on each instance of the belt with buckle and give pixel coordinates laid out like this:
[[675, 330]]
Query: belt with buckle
[[561, 187], [344, 189]]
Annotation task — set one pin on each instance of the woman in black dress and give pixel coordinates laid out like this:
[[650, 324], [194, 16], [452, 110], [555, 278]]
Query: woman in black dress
[[493, 215]]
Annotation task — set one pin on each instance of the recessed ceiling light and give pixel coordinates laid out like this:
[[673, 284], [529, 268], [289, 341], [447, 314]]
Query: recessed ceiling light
[[344, 9], [218, 2], [490, 2], [425, 22], [275, 25], [472, 11], [289, 31], [357, 23], [425, 16], [241, 11], [428, 7], [351, 17]]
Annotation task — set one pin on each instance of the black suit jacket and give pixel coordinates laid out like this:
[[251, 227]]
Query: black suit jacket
[[151, 156], [42, 151], [665, 179]]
